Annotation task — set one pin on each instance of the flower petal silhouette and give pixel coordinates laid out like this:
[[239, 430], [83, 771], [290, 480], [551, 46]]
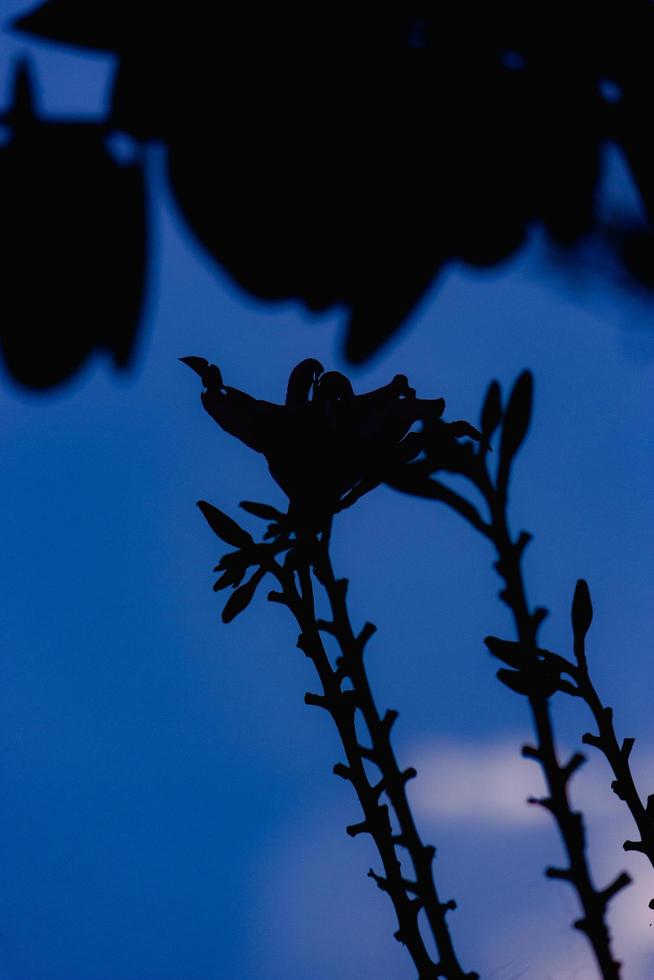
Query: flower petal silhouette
[[325, 446], [224, 527]]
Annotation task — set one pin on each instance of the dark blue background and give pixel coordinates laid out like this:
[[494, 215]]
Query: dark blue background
[[168, 810]]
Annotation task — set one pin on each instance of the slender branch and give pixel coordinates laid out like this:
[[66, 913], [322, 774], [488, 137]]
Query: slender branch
[[408, 896], [535, 673], [570, 822], [617, 756], [418, 481], [352, 649]]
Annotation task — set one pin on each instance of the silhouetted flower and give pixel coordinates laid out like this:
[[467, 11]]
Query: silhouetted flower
[[326, 446]]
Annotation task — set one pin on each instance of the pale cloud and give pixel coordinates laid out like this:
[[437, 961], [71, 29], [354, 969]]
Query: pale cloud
[[483, 786], [488, 783], [473, 781], [314, 913]]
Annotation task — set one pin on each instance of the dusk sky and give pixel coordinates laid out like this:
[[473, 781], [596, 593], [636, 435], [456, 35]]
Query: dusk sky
[[168, 808]]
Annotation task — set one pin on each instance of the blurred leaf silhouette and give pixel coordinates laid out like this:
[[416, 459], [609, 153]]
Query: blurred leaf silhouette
[[75, 245], [345, 158]]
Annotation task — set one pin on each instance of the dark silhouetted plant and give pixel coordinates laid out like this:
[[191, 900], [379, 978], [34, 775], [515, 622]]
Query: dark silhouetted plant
[[326, 451], [530, 670], [326, 447]]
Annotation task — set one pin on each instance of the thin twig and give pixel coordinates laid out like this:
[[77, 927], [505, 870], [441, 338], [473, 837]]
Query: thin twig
[[570, 822], [616, 754], [535, 673], [409, 896]]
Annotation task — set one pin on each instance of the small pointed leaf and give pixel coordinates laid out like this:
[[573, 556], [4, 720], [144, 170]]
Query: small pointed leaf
[[197, 364], [461, 429], [209, 373], [516, 680], [264, 511], [539, 680], [240, 599], [491, 413], [233, 577], [516, 420], [222, 525], [582, 610], [231, 560], [508, 651]]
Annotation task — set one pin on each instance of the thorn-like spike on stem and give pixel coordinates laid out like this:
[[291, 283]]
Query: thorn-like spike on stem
[[390, 718], [522, 541], [539, 614], [589, 739], [408, 774], [274, 596], [564, 874], [622, 880], [340, 769], [365, 634], [530, 752], [317, 700], [575, 762], [358, 828], [544, 801], [379, 880]]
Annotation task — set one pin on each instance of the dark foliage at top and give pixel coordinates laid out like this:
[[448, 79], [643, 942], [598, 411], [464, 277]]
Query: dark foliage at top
[[345, 157], [73, 220]]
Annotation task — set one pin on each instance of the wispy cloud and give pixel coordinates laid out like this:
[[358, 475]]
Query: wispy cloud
[[488, 783], [316, 913]]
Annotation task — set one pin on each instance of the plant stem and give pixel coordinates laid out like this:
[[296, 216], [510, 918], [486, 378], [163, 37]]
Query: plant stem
[[557, 776], [408, 896], [618, 758]]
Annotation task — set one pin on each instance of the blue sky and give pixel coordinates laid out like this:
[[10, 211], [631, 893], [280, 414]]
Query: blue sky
[[168, 808]]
